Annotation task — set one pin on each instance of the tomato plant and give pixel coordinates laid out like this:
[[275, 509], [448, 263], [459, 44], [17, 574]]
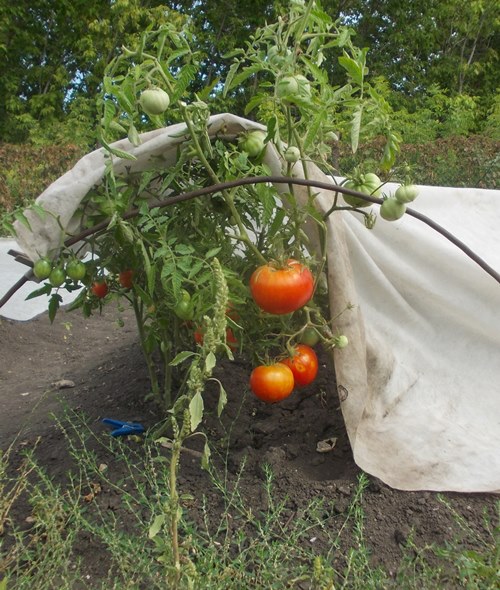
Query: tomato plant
[[281, 289], [303, 364], [272, 383], [125, 278], [168, 249], [100, 288]]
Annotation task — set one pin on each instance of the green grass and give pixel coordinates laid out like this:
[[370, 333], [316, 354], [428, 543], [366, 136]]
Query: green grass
[[313, 547]]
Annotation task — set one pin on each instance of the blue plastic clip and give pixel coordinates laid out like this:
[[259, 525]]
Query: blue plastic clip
[[123, 428]]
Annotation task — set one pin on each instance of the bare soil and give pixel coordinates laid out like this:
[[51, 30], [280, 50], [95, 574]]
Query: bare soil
[[105, 364]]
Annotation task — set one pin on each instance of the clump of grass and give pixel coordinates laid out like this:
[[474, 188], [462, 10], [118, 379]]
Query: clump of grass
[[230, 546]]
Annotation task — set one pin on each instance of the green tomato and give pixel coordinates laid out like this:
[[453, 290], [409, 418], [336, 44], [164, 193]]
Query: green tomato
[[76, 270], [373, 180], [184, 308], [57, 277], [390, 210], [406, 193], [368, 186], [42, 268], [309, 336], [252, 143], [290, 88], [292, 154], [154, 101]]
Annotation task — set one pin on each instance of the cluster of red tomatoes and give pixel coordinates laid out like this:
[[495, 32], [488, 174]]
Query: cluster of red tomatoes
[[100, 287], [282, 289]]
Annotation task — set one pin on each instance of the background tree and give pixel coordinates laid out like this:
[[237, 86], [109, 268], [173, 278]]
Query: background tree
[[439, 58]]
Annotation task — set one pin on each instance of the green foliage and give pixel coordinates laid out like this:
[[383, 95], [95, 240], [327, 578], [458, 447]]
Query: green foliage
[[452, 161], [45, 164], [452, 45], [492, 125], [54, 54]]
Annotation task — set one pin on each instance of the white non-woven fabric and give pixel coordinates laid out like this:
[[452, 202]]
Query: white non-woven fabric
[[419, 382]]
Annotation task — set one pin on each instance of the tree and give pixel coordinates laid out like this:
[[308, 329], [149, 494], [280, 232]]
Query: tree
[[56, 52], [417, 44]]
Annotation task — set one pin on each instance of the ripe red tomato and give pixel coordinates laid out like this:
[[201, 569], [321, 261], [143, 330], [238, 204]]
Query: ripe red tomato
[[272, 383], [303, 364], [281, 290], [100, 288], [125, 278]]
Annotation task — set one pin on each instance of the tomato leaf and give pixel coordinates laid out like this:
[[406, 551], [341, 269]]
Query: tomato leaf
[[196, 407], [356, 127], [115, 151], [45, 290], [133, 135], [54, 304]]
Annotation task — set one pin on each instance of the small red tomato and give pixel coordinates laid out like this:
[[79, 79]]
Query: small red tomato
[[281, 290], [125, 278], [303, 364], [100, 289], [272, 383], [198, 336]]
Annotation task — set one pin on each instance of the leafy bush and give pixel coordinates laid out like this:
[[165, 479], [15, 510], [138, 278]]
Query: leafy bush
[[448, 161], [45, 163]]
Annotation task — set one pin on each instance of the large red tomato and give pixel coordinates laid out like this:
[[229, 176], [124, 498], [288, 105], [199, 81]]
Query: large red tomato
[[282, 289], [303, 364], [272, 383]]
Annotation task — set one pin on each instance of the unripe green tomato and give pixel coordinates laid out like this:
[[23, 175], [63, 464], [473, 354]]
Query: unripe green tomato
[[341, 341], [184, 308], [309, 336], [391, 209], [291, 87], [76, 270], [372, 179], [366, 188], [406, 193], [292, 154], [154, 101], [252, 143], [42, 268], [57, 277]]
